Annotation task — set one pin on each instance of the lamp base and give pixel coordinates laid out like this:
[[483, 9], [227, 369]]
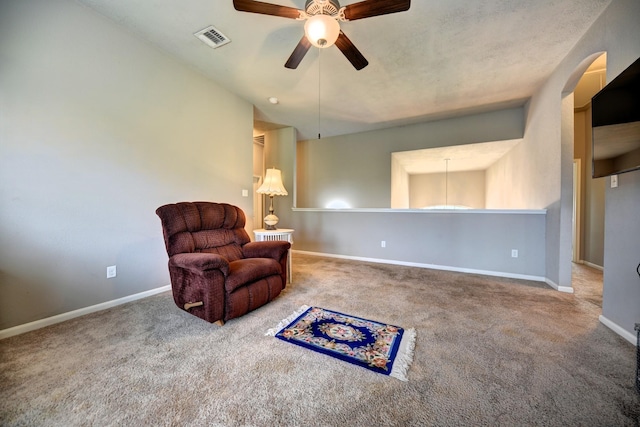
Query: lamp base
[[270, 222]]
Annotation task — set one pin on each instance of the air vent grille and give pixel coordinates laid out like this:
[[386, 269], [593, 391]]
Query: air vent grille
[[212, 37], [259, 139]]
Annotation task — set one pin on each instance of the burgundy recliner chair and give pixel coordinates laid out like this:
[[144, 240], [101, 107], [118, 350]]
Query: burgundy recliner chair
[[216, 272]]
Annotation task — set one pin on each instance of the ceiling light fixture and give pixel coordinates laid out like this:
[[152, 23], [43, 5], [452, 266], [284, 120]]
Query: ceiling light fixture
[[322, 30], [273, 100]]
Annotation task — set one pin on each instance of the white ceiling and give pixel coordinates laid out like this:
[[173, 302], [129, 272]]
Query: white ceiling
[[441, 58]]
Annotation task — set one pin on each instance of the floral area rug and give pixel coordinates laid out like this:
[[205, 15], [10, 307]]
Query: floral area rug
[[382, 348]]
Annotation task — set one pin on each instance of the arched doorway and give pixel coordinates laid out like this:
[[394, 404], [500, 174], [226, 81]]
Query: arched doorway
[[588, 194]]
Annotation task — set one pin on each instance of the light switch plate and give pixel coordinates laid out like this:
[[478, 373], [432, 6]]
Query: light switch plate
[[111, 271], [614, 181]]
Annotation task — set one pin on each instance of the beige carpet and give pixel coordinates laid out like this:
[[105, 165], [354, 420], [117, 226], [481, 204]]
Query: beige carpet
[[489, 352]]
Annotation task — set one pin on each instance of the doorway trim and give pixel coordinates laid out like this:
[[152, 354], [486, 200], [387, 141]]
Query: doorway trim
[[577, 213]]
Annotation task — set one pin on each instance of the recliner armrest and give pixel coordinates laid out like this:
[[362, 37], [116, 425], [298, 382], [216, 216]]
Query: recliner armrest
[[199, 262], [274, 249]]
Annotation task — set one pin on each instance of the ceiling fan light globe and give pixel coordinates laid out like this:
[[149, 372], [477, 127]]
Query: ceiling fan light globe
[[322, 30]]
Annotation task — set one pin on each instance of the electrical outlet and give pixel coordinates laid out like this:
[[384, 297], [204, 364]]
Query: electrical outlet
[[383, 244], [514, 253], [111, 272]]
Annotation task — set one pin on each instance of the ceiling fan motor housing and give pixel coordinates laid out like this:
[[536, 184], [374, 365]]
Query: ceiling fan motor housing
[[322, 7]]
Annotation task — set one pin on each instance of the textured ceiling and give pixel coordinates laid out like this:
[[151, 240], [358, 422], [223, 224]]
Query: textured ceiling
[[441, 58]]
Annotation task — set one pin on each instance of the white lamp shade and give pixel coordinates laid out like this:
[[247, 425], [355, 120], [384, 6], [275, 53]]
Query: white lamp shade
[[272, 184], [322, 30]]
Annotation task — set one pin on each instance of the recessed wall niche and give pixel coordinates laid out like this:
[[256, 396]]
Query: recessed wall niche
[[444, 177]]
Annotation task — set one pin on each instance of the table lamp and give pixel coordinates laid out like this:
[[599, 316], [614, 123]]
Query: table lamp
[[272, 186]]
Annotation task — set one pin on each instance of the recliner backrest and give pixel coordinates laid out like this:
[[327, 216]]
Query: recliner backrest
[[204, 227]]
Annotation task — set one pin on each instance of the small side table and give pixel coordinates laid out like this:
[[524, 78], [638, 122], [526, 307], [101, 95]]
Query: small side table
[[285, 234]]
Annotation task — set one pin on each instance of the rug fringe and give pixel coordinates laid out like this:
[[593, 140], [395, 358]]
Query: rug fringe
[[284, 322], [404, 356]]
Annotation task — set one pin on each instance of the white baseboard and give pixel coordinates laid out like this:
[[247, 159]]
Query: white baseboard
[[633, 339], [592, 265], [32, 326], [557, 287], [430, 266]]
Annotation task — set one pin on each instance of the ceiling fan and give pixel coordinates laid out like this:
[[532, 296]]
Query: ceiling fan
[[322, 28]]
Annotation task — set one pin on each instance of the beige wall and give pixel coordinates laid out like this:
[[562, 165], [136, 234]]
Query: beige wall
[[97, 130], [453, 189], [400, 197]]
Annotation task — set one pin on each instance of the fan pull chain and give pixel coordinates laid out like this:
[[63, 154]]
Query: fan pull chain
[[319, 72]]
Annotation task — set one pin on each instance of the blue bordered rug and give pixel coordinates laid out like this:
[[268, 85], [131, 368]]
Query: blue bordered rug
[[382, 348]]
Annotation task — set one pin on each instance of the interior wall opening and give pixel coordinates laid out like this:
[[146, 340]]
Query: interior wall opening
[[588, 193], [258, 171], [451, 177]]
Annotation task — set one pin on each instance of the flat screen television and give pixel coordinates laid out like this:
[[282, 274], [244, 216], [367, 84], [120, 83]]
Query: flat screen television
[[615, 116]]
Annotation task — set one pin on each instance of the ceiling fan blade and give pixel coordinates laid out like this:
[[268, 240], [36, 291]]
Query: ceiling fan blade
[[369, 8], [351, 52], [298, 53], [266, 8]]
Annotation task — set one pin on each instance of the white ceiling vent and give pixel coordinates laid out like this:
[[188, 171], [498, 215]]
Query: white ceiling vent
[[212, 37]]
